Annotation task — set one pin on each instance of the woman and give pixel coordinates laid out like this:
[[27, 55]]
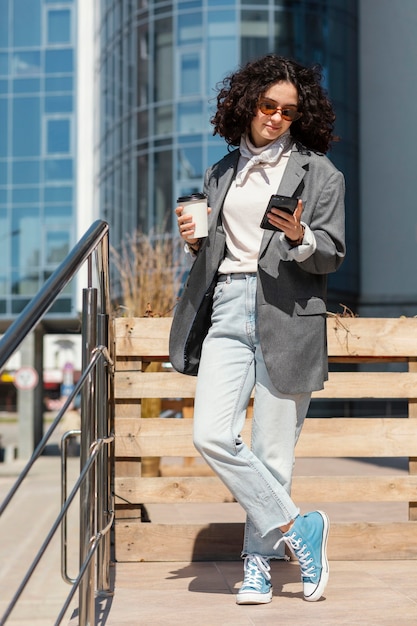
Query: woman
[[267, 324]]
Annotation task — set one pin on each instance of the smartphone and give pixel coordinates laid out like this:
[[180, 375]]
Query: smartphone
[[285, 203]]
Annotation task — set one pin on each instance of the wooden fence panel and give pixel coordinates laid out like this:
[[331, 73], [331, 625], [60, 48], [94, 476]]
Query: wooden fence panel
[[187, 480]]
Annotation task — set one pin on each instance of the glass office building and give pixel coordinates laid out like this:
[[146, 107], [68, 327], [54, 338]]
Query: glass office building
[[159, 64], [37, 148]]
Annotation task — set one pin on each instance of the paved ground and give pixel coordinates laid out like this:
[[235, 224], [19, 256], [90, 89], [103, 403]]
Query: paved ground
[[170, 594]]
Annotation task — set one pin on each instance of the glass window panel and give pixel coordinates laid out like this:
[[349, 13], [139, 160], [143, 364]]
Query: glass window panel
[[58, 169], [222, 44], [26, 63], [163, 61], [59, 83], [26, 85], [190, 74], [3, 196], [3, 127], [18, 304], [58, 136], [190, 117], [4, 240], [59, 61], [56, 214], [190, 163], [163, 190], [26, 127], [4, 64], [26, 23], [60, 1], [4, 86], [61, 305], [26, 244], [60, 193], [25, 195], [26, 172], [190, 28], [59, 26], [3, 175], [163, 120], [4, 24], [57, 246], [58, 104]]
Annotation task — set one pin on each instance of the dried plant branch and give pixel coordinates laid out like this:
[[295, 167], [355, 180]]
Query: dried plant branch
[[150, 269]]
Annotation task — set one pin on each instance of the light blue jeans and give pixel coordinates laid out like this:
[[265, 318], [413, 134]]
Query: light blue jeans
[[231, 367]]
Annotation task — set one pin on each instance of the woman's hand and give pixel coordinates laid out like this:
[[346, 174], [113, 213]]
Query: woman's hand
[[289, 224], [186, 226]]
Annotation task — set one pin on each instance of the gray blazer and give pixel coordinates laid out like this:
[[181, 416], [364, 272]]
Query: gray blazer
[[291, 295]]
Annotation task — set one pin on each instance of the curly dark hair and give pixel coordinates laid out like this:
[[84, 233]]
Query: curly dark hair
[[239, 93]]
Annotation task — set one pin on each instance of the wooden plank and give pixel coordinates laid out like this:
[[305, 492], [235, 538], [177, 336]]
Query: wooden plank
[[304, 489], [223, 542], [362, 337], [320, 437], [358, 385], [372, 337]]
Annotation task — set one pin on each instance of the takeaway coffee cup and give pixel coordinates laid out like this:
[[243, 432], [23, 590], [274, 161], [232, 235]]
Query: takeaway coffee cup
[[196, 205]]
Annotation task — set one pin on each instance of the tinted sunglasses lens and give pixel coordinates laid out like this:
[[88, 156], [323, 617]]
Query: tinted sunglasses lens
[[267, 108], [289, 115]]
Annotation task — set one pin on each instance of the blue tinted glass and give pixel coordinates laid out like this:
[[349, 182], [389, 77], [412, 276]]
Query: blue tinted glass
[[58, 61], [3, 196], [4, 86], [58, 194], [190, 163], [3, 173], [190, 74], [58, 169], [25, 195], [26, 172], [26, 63], [190, 28], [4, 64], [190, 117], [57, 246], [5, 238], [58, 136], [58, 104], [26, 23], [26, 243], [59, 83], [4, 23], [60, 1], [26, 85], [3, 127], [26, 127], [59, 26], [57, 213]]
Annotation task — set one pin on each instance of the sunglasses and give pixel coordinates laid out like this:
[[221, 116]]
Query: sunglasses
[[267, 107]]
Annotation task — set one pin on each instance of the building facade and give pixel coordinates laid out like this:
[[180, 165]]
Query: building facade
[[37, 149], [159, 65]]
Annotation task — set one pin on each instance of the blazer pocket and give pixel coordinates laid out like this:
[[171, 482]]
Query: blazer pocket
[[310, 306]]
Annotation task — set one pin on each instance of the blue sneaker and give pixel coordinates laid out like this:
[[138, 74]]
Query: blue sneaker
[[256, 587], [307, 539]]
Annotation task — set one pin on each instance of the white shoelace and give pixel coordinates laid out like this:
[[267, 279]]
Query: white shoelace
[[301, 552], [255, 567]]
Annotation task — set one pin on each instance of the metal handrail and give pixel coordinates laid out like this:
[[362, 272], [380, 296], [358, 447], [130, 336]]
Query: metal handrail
[[95, 384]]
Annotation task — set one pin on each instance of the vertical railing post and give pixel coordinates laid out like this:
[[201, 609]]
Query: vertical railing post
[[104, 421], [88, 436], [103, 474]]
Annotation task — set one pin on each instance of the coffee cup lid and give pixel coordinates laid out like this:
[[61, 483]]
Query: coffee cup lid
[[192, 196]]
